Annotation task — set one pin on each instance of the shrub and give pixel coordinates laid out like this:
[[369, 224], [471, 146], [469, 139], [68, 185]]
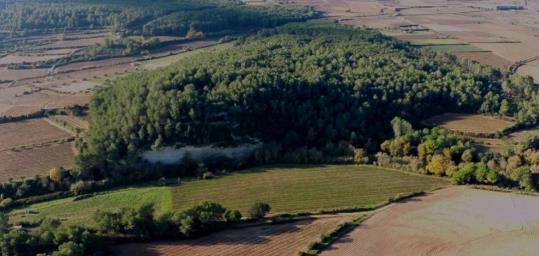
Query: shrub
[[523, 177], [259, 210], [464, 175], [233, 216], [69, 249]]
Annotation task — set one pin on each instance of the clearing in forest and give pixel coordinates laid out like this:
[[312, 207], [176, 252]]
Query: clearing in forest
[[472, 124]]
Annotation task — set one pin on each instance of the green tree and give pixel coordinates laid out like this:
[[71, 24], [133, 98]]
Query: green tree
[[259, 210]]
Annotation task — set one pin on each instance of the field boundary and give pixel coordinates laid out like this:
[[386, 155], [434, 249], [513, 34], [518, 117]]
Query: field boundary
[[326, 240]]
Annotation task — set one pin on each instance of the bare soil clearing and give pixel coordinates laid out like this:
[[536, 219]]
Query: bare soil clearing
[[452, 221], [282, 239], [470, 123], [29, 132], [486, 58], [35, 161]]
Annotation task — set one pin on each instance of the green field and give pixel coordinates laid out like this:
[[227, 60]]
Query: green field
[[287, 189]]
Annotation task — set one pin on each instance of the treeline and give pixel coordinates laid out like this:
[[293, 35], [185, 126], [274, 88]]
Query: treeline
[[312, 87], [165, 17], [440, 152], [51, 237]]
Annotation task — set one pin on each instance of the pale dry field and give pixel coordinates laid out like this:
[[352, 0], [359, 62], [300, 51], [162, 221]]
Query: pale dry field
[[29, 132], [470, 123], [506, 36], [270, 240], [449, 222]]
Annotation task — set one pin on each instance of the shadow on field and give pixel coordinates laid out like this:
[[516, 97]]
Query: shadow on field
[[256, 236]]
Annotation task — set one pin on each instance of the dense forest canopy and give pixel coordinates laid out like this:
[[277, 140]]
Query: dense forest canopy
[[312, 85], [164, 17]]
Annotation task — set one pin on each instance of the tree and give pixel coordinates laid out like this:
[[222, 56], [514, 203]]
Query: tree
[[440, 165], [233, 216], [4, 222], [467, 156], [69, 249], [259, 210], [57, 174], [400, 127]]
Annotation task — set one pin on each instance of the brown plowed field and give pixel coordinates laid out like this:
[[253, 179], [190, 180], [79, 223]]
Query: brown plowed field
[[277, 240], [485, 58], [468, 123], [35, 161], [29, 132], [449, 222]]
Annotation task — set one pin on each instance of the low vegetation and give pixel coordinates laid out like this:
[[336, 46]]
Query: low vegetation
[[286, 189]]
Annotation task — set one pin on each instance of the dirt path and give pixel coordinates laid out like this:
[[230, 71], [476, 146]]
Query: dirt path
[[452, 221]]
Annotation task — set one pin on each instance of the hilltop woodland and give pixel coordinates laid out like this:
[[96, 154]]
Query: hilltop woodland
[[318, 89], [310, 93]]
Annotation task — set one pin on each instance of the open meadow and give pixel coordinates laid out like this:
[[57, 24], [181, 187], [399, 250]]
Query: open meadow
[[287, 189]]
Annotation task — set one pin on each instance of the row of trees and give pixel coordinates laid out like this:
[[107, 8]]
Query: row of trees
[[50, 237], [440, 152]]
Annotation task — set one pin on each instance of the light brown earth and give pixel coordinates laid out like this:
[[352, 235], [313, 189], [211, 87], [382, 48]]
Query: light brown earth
[[267, 240], [508, 36], [449, 222], [29, 132], [470, 123], [36, 161]]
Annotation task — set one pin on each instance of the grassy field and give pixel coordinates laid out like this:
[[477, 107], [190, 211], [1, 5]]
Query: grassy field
[[81, 211], [296, 189], [287, 189]]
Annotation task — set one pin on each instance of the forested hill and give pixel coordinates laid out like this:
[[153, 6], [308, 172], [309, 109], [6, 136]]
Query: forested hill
[[137, 17], [299, 85]]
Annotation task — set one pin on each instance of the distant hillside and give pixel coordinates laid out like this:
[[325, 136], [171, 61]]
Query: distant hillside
[[164, 17]]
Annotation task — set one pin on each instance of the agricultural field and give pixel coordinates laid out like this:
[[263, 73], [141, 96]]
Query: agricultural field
[[470, 123], [32, 147], [72, 211], [477, 30], [37, 160], [280, 239], [287, 189], [480, 128], [28, 133], [70, 122], [452, 221]]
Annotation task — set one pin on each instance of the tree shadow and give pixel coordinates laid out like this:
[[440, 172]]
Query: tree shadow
[[249, 236]]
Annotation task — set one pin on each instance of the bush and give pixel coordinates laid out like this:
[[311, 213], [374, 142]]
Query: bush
[[464, 175], [233, 216], [69, 249], [523, 177], [259, 210]]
